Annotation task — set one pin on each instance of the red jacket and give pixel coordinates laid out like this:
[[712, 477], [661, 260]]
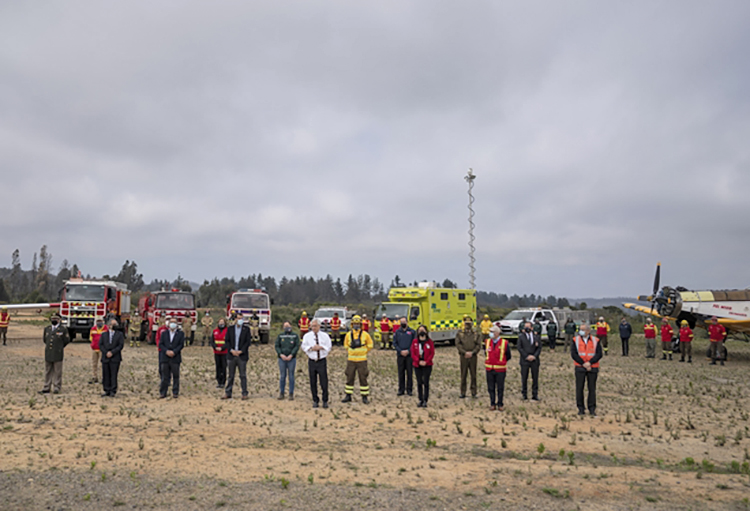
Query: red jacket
[[428, 352], [686, 335], [219, 336], [304, 324], [366, 325], [716, 332], [94, 335], [385, 326], [666, 333], [649, 330]]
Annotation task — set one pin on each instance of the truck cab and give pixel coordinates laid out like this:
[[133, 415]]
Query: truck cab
[[175, 303], [249, 302], [82, 302]]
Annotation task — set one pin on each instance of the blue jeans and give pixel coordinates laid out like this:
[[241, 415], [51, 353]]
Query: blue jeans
[[285, 366]]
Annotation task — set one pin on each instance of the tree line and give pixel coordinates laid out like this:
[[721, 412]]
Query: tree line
[[43, 283]]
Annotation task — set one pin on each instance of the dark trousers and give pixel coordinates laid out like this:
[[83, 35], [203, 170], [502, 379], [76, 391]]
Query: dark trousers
[[354, 369], [534, 367], [170, 370], [423, 382], [496, 387], [583, 376], [625, 346], [318, 370], [551, 340], [469, 365], [221, 368], [234, 363], [109, 377], [405, 368]]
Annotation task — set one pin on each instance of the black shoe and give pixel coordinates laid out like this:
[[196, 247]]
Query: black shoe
[[722, 362], [281, 397], [663, 357], [420, 404], [409, 394], [106, 394], [682, 359], [163, 397], [291, 397], [424, 404], [44, 391], [690, 360], [399, 393], [581, 412], [592, 413], [670, 356], [315, 405], [462, 396], [347, 399], [712, 363], [175, 396], [535, 399], [365, 400], [524, 398], [325, 404]]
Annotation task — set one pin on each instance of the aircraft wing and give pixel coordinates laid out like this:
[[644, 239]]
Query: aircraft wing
[[642, 308], [22, 306]]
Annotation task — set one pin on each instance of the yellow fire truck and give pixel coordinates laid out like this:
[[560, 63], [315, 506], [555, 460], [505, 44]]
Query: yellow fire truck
[[441, 310]]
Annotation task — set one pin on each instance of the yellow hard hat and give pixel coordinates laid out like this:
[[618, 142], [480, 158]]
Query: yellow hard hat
[[304, 313], [684, 322], [467, 317], [486, 316], [356, 319]]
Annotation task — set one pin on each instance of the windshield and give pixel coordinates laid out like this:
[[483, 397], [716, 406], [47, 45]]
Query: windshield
[[175, 301], [249, 301], [84, 293], [519, 315], [391, 310], [327, 313]]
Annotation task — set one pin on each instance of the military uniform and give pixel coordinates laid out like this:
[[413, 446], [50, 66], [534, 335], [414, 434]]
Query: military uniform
[[187, 329], [570, 330], [552, 334], [55, 339], [135, 331], [468, 341], [207, 322]]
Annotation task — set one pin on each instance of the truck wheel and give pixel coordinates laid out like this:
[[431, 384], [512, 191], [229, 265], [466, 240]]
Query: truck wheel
[[72, 334], [452, 342], [264, 337]]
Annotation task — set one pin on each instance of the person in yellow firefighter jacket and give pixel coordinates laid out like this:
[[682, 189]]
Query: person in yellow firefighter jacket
[[602, 331], [485, 326], [358, 344]]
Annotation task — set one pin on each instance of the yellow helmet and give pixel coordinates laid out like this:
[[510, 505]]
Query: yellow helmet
[[486, 316], [304, 313], [356, 319], [684, 322]]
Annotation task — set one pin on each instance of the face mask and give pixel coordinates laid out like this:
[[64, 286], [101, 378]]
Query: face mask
[[403, 325], [55, 322], [240, 322], [173, 326], [467, 326], [356, 327], [99, 325], [422, 336], [222, 326], [527, 329], [288, 330]]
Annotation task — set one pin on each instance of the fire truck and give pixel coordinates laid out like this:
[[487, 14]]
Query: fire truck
[[83, 301], [249, 301], [155, 305]]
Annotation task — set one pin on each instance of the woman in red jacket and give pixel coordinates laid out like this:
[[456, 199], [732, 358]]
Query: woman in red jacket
[[422, 353]]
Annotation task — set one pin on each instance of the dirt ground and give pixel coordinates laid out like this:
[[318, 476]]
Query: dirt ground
[[668, 436]]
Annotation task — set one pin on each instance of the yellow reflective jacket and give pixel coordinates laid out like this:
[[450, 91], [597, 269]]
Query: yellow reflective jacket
[[358, 354]]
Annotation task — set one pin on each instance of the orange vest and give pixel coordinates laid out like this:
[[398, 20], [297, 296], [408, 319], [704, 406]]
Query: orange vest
[[649, 330], [304, 323], [219, 341], [335, 323], [366, 325], [4, 319], [385, 326], [495, 359], [586, 350]]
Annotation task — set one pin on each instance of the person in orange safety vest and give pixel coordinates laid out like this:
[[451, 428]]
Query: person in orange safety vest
[[336, 328], [4, 322], [586, 352], [94, 335], [304, 324]]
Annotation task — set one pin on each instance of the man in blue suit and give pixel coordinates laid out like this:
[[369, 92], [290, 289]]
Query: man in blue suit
[[237, 344], [170, 357], [110, 344]]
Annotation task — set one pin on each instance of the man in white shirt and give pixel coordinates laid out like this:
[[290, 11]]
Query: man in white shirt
[[317, 345]]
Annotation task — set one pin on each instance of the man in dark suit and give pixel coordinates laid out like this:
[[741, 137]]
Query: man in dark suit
[[110, 344], [170, 357], [530, 347], [237, 343]]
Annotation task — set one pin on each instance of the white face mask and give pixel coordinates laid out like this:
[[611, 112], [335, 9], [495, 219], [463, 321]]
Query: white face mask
[[173, 325], [240, 322]]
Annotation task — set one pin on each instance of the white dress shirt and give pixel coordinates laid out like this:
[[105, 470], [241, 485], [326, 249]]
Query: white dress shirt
[[308, 341]]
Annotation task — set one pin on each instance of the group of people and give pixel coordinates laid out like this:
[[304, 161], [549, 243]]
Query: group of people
[[414, 356]]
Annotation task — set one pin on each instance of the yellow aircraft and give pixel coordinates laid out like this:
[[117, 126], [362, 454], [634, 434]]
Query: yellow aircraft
[[730, 307]]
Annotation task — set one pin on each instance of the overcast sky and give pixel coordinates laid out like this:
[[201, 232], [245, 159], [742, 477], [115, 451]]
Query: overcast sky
[[306, 138]]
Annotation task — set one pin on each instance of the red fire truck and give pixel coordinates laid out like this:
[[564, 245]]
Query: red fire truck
[[155, 305], [83, 301], [249, 302]]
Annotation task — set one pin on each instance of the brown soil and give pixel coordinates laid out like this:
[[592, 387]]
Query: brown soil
[[653, 417]]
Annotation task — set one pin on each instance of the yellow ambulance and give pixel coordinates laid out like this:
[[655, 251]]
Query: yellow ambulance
[[440, 309]]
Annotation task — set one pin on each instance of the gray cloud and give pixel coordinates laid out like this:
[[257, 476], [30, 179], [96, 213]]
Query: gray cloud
[[292, 138]]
